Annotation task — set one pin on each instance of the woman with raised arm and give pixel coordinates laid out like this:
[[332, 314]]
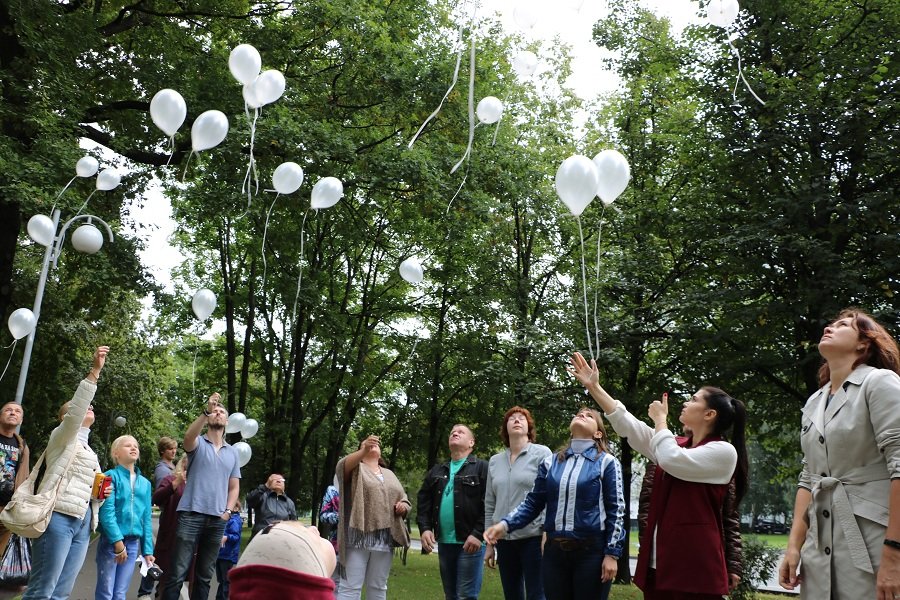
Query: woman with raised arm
[[682, 554], [845, 537]]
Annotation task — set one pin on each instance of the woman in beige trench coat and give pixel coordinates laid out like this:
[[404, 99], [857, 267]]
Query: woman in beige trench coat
[[845, 538]]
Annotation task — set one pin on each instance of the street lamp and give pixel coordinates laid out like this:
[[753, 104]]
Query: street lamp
[[86, 238]]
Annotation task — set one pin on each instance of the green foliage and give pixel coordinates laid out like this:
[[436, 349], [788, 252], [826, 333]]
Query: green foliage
[[760, 561]]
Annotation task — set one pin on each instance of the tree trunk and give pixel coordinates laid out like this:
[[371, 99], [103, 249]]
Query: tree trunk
[[10, 226]]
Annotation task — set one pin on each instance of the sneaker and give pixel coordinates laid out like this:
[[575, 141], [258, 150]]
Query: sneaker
[[145, 597]]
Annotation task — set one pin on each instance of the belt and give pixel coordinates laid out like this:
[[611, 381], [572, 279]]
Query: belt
[[572, 544], [843, 510]]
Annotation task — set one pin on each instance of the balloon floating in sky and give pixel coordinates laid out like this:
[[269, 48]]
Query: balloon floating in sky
[[525, 63], [576, 183], [411, 270], [21, 323], [287, 178], [489, 110], [326, 192], [86, 166], [203, 303], [525, 14], [613, 173], [722, 13], [250, 428], [40, 229], [209, 130], [168, 111], [244, 63], [269, 86]]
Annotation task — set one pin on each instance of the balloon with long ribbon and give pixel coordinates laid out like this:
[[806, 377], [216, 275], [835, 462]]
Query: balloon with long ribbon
[[168, 111], [722, 13], [208, 131], [287, 179]]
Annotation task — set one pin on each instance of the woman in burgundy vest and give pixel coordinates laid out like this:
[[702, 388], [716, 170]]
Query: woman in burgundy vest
[[682, 555]]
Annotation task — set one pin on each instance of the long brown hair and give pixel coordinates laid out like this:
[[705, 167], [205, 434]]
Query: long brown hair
[[599, 443], [881, 349]]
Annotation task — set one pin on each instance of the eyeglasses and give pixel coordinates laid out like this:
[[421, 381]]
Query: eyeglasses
[[278, 481]]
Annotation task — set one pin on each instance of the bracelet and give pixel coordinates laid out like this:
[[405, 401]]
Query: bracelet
[[124, 551], [892, 543]]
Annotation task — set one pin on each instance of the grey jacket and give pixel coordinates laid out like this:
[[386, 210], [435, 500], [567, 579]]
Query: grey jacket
[[507, 486]]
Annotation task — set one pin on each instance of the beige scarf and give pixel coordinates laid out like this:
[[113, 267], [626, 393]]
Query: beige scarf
[[367, 508]]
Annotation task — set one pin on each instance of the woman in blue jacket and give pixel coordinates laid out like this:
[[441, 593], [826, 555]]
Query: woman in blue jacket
[[125, 528], [581, 489]]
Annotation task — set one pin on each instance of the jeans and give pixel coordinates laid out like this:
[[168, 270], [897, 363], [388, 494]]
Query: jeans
[[460, 571], [574, 574], [57, 557], [113, 579], [222, 568], [203, 533], [519, 561], [365, 567]]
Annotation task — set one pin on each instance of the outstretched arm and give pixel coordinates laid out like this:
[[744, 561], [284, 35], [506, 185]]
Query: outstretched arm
[[589, 376]]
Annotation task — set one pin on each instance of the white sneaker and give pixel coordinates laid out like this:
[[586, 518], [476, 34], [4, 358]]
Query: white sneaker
[[145, 597]]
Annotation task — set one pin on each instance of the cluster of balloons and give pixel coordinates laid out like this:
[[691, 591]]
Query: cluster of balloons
[[21, 323], [259, 89], [239, 423], [168, 111], [579, 179]]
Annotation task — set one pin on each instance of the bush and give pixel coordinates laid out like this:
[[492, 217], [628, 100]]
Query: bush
[[760, 560]]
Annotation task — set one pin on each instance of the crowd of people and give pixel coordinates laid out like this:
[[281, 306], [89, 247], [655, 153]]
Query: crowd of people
[[552, 523]]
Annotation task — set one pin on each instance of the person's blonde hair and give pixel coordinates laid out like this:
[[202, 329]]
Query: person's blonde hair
[[117, 443], [181, 467]]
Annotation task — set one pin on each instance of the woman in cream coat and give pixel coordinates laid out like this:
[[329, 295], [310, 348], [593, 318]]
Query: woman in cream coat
[[57, 556], [846, 529]]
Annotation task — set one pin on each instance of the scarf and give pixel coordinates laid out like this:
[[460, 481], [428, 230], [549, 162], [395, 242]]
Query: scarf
[[367, 510]]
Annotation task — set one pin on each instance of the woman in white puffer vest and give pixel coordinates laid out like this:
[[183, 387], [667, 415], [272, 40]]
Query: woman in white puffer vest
[[57, 556]]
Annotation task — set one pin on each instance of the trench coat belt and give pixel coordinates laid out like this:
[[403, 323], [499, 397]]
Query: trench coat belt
[[843, 510]]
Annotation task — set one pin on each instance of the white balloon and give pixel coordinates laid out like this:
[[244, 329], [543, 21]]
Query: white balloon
[[209, 130], [287, 178], [489, 110], [525, 15], [203, 303], [249, 93], [576, 183], [120, 421], [21, 323], [86, 166], [235, 422], [269, 87], [87, 239], [326, 192], [168, 111], [722, 13], [525, 63], [411, 270], [250, 428], [244, 63], [108, 179], [613, 173], [40, 228], [244, 452]]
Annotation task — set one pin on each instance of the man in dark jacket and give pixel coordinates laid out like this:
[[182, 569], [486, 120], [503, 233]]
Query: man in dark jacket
[[451, 513], [731, 523], [270, 503]]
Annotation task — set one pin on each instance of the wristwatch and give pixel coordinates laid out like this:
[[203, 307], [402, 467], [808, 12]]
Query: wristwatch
[[206, 412]]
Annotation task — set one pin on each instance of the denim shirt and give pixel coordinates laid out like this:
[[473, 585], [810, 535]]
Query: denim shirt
[[508, 484]]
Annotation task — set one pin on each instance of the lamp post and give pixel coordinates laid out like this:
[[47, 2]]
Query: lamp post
[[90, 241]]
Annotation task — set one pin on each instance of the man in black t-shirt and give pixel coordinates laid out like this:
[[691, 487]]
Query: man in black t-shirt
[[14, 463]]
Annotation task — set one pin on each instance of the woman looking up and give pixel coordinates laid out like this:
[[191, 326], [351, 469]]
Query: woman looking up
[[682, 553], [846, 525]]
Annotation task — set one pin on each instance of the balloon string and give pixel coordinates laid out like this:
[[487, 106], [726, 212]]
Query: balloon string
[[300, 275], [459, 189], [172, 146], [265, 232], [597, 279], [584, 287], [194, 373], [251, 166], [61, 193], [186, 163], [413, 351], [497, 128], [450, 89], [13, 346], [741, 76], [83, 206], [471, 100]]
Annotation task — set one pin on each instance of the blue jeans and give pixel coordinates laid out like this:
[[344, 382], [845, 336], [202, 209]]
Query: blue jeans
[[519, 561], [57, 556], [203, 533], [574, 574], [460, 571], [113, 580], [222, 568]]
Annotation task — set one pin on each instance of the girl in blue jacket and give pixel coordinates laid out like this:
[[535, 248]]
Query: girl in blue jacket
[[228, 553], [125, 528], [581, 488]]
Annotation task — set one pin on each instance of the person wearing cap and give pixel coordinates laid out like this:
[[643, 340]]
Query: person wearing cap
[[270, 503]]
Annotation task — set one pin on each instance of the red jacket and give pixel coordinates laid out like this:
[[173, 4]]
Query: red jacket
[[687, 517]]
